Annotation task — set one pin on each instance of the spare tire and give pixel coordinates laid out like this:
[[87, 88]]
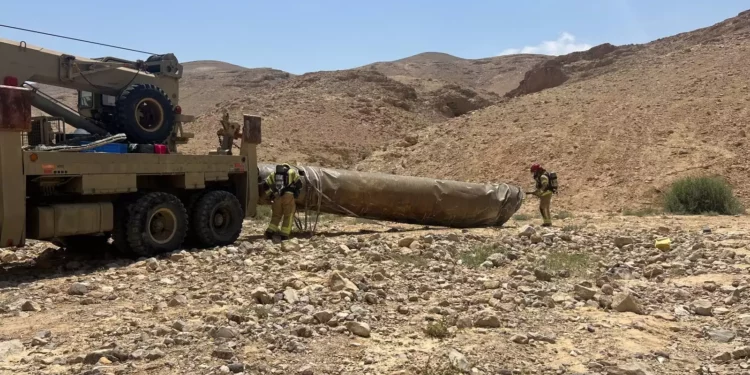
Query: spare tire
[[145, 114]]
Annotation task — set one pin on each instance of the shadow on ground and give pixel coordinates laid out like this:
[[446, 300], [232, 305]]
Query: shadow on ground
[[55, 263]]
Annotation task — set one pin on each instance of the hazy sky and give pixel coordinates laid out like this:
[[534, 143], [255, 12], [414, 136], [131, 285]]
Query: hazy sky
[[303, 36]]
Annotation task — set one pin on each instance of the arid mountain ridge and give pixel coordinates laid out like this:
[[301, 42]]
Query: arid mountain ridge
[[617, 122]]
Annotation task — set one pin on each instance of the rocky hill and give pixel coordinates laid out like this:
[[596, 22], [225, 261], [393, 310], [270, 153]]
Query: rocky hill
[[328, 118], [617, 123], [336, 118], [496, 75]]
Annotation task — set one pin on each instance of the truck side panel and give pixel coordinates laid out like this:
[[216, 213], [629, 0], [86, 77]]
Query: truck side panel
[[60, 220], [41, 163], [15, 107]]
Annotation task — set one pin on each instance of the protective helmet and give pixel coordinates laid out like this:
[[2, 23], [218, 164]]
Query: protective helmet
[[535, 167]]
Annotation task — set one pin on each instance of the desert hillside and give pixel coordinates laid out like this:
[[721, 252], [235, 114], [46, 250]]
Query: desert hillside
[[336, 118], [495, 75], [621, 123], [617, 122]]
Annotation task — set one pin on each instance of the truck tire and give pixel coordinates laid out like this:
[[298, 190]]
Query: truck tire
[[158, 223], [217, 219], [145, 114]]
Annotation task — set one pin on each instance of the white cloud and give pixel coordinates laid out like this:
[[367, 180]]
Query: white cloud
[[564, 44]]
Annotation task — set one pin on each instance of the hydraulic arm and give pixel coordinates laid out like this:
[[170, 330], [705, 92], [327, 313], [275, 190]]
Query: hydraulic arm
[[138, 98]]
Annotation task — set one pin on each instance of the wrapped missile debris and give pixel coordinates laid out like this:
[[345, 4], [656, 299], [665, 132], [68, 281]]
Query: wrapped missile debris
[[404, 199]]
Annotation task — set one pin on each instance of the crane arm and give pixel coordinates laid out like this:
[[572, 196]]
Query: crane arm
[[107, 76]]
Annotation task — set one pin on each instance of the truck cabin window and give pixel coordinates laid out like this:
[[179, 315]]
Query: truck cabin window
[[85, 99], [109, 100]]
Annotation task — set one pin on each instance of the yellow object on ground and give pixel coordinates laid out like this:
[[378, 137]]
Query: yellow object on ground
[[663, 243]]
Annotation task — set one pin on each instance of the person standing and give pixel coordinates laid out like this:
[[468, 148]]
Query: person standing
[[546, 186], [282, 188]]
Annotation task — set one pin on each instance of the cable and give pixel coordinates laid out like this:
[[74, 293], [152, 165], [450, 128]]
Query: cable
[[76, 39], [95, 144]]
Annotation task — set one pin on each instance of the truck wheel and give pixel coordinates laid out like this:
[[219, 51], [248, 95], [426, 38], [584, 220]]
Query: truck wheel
[[157, 224], [217, 219], [145, 114]]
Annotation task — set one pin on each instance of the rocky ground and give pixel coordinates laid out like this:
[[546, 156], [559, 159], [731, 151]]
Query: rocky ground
[[593, 295]]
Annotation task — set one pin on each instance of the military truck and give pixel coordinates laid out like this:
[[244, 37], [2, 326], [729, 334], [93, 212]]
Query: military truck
[[52, 187], [145, 203]]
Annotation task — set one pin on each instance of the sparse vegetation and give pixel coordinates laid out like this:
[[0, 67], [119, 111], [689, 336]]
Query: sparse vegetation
[[641, 212], [437, 366], [261, 312], [576, 264], [700, 196], [438, 330], [410, 259], [563, 215], [479, 254], [572, 227], [522, 217]]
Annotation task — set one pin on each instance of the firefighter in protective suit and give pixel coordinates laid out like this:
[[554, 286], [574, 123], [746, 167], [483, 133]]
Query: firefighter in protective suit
[[544, 191], [282, 187]]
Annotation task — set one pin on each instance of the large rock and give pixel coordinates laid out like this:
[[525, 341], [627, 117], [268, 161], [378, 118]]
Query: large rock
[[583, 293], [526, 231], [702, 307], [721, 335], [78, 289], [629, 369], [223, 352], [338, 282], [406, 241], [11, 347], [486, 319], [7, 256], [30, 306], [625, 302], [178, 300], [358, 328], [543, 76], [224, 333], [458, 361], [623, 241], [261, 295], [323, 316]]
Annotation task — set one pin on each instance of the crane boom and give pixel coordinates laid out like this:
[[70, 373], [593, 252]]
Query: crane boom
[[139, 98], [38, 64]]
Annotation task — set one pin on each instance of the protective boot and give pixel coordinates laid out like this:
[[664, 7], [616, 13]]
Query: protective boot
[[268, 234], [283, 238]]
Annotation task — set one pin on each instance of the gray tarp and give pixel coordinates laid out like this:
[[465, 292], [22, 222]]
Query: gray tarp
[[404, 199]]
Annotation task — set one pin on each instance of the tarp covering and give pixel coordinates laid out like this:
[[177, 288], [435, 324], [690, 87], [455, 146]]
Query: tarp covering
[[404, 199]]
